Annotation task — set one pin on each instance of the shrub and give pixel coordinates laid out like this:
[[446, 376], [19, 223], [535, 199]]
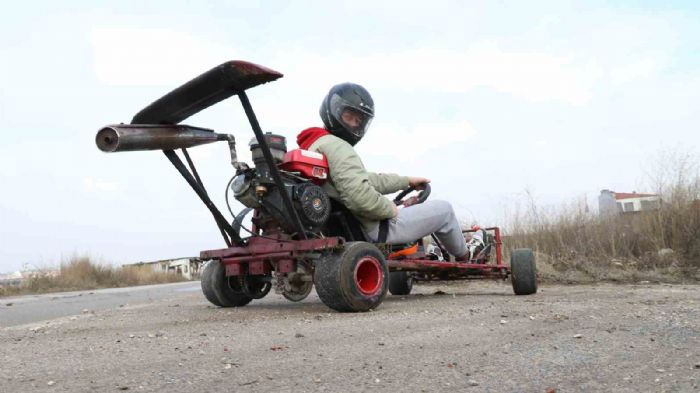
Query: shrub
[[664, 242], [82, 272]]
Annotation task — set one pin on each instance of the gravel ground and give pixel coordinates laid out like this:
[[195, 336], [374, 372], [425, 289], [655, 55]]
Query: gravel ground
[[461, 336]]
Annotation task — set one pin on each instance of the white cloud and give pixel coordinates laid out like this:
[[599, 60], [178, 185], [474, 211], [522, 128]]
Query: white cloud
[[536, 77], [168, 57], [643, 68], [152, 57], [397, 142]]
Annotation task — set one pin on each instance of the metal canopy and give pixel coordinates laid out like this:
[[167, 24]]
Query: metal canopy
[[213, 86], [219, 83]]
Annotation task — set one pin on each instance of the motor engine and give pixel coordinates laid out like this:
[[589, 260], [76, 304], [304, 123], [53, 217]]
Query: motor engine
[[303, 172]]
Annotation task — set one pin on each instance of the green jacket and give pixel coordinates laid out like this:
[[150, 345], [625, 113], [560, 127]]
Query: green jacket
[[350, 183]]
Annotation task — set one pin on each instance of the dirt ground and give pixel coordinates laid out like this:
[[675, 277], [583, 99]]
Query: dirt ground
[[477, 336]]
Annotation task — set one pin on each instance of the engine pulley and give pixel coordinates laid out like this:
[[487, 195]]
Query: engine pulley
[[314, 206]]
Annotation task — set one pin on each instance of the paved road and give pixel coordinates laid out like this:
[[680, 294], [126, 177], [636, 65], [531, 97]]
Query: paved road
[[457, 337], [22, 310]]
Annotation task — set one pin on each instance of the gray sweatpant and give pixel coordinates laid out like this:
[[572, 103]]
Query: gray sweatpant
[[417, 221]]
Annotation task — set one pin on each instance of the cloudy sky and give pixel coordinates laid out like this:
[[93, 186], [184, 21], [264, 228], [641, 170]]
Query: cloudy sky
[[488, 99]]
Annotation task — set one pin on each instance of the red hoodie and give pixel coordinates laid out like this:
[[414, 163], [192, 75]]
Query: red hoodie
[[307, 137]]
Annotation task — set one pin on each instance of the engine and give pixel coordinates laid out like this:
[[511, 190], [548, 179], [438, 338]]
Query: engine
[[303, 172]]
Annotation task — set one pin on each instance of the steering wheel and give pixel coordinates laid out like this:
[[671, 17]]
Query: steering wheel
[[422, 196]]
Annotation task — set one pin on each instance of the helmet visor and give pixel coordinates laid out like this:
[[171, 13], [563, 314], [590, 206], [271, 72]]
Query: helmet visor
[[354, 118]]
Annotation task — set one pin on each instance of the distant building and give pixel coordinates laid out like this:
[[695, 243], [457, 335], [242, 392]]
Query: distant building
[[610, 202], [17, 277], [188, 268], [11, 278]]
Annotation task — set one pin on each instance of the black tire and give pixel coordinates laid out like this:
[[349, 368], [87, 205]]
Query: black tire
[[226, 290], [400, 283], [353, 279], [523, 271], [297, 297], [206, 281]]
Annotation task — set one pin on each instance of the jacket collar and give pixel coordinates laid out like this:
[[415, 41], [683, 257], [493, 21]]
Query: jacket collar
[[307, 137]]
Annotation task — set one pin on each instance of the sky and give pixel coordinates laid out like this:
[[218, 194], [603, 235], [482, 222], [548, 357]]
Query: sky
[[490, 100]]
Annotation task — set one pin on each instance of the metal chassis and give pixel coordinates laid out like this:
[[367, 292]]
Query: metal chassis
[[262, 255]]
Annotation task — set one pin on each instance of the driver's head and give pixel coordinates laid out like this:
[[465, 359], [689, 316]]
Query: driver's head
[[346, 111]]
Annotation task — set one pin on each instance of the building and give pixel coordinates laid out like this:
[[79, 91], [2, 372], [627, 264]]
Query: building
[[11, 278], [188, 268], [610, 202], [17, 277]]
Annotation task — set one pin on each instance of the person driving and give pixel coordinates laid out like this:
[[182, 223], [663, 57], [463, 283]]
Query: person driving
[[346, 112]]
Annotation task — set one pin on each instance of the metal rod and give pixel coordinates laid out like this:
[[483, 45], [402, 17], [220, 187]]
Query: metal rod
[[193, 169], [273, 168], [497, 238], [224, 226], [445, 254], [201, 185]]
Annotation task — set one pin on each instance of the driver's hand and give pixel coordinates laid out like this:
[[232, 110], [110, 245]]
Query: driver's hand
[[410, 201], [394, 211], [417, 182]]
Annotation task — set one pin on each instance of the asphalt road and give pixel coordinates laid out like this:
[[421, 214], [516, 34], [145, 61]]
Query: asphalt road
[[21, 310], [473, 337]]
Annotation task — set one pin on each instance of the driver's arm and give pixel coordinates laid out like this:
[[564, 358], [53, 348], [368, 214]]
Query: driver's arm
[[352, 181], [388, 183]]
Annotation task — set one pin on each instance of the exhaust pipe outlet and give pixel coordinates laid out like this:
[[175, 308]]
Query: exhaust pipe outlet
[[141, 137]]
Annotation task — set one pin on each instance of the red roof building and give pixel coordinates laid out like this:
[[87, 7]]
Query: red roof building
[[610, 202]]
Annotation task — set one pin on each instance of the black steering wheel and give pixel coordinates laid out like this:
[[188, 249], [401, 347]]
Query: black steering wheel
[[422, 196]]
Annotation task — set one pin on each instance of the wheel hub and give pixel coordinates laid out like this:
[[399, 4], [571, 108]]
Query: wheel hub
[[368, 276]]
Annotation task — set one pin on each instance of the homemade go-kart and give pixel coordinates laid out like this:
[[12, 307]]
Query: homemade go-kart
[[299, 236]]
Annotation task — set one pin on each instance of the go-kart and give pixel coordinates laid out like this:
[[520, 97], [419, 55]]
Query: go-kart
[[299, 237]]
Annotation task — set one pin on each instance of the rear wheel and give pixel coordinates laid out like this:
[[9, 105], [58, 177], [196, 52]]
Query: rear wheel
[[400, 283], [226, 291], [354, 279], [523, 271], [206, 281]]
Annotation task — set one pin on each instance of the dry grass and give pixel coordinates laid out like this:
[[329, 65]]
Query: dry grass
[[81, 272], [576, 245]]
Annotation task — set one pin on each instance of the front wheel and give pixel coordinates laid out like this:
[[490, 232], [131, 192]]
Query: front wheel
[[523, 271], [354, 279]]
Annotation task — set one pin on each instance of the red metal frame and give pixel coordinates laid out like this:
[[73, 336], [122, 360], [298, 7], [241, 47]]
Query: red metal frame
[[416, 263], [264, 247], [263, 254]]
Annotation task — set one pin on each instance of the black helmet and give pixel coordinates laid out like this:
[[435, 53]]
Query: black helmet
[[347, 111]]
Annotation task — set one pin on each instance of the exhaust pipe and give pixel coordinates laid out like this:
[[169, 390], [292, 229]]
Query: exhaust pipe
[[139, 137]]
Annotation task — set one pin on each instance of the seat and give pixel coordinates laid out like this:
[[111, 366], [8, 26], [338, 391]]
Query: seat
[[343, 223]]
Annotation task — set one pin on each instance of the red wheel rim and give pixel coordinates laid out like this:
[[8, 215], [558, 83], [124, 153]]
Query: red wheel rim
[[368, 276]]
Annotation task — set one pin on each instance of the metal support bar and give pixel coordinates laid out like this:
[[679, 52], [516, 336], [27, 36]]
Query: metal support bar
[[224, 226], [273, 168], [193, 169]]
